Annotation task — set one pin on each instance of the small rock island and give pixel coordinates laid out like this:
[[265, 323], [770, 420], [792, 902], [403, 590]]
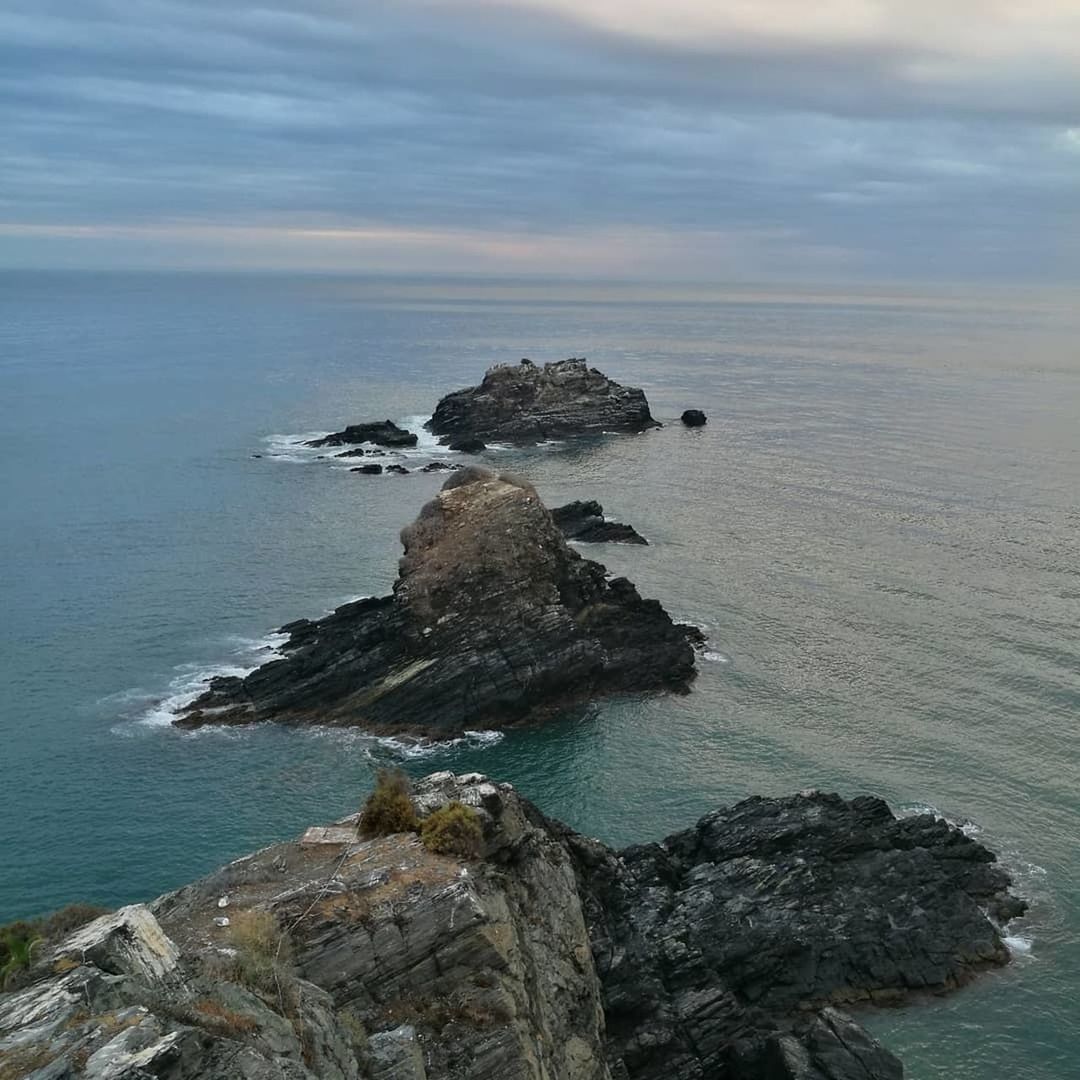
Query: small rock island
[[584, 520], [523, 403], [462, 935], [493, 620]]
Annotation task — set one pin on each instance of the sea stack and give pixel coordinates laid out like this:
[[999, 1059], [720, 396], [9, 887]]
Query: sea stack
[[694, 418], [523, 403], [493, 620]]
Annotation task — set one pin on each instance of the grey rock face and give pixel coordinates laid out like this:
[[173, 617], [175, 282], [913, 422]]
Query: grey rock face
[[493, 620], [718, 954], [524, 403]]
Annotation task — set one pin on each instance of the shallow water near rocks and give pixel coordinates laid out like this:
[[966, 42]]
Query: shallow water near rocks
[[879, 527]]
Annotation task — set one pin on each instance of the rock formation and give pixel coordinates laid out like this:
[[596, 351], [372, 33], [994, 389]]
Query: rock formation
[[716, 955], [380, 432], [493, 620], [585, 521], [524, 403], [694, 418]]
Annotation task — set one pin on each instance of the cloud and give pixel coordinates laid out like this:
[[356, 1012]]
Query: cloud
[[861, 136]]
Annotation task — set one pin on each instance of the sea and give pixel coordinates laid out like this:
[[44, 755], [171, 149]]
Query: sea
[[878, 529]]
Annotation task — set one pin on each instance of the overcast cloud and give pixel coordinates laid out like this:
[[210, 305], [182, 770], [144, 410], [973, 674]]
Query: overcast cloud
[[677, 139]]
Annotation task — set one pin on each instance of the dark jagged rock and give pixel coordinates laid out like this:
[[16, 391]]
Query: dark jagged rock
[[548, 956], [380, 432], [712, 945], [524, 403], [399, 469], [371, 469], [585, 521], [694, 418], [467, 445], [493, 620], [442, 466]]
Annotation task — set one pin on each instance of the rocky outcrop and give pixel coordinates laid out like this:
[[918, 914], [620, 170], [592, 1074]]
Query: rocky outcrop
[[585, 521], [720, 953], [493, 620], [694, 418], [716, 947], [524, 403], [380, 432]]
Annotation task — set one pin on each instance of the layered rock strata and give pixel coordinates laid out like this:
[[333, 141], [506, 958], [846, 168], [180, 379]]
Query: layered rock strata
[[493, 620], [719, 954], [524, 403]]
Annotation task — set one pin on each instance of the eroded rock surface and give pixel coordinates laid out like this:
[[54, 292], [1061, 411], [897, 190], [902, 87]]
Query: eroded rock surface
[[585, 521], [493, 620], [524, 403], [720, 954]]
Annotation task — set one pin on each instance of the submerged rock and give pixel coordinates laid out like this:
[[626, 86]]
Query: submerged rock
[[380, 432], [719, 953], [585, 521], [372, 469], [493, 620], [694, 418], [524, 403], [466, 445]]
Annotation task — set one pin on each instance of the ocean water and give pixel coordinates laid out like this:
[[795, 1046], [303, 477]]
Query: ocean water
[[879, 528]]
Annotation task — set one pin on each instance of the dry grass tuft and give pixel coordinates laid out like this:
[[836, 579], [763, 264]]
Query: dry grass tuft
[[389, 808], [453, 830]]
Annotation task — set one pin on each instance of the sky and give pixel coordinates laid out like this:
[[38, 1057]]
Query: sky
[[668, 140]]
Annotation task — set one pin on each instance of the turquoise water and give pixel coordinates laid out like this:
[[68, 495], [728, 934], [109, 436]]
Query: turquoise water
[[880, 528]]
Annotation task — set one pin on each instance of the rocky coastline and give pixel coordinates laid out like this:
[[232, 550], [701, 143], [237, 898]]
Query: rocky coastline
[[725, 952], [493, 620]]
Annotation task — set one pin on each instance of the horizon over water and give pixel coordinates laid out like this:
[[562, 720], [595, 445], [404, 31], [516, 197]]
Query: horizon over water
[[879, 529]]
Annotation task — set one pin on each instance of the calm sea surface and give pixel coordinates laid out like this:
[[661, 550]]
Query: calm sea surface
[[880, 529]]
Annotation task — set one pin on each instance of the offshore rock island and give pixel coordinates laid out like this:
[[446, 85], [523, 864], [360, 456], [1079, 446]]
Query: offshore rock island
[[493, 620], [523, 403], [722, 953]]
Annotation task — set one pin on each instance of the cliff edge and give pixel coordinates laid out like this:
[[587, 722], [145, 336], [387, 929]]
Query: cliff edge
[[720, 953]]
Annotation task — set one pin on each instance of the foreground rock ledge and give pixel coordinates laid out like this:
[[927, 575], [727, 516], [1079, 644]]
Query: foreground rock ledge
[[493, 620], [524, 403], [720, 954]]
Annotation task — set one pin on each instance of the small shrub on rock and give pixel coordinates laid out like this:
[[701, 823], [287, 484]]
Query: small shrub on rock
[[453, 830], [18, 941], [389, 808], [22, 941], [263, 959]]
